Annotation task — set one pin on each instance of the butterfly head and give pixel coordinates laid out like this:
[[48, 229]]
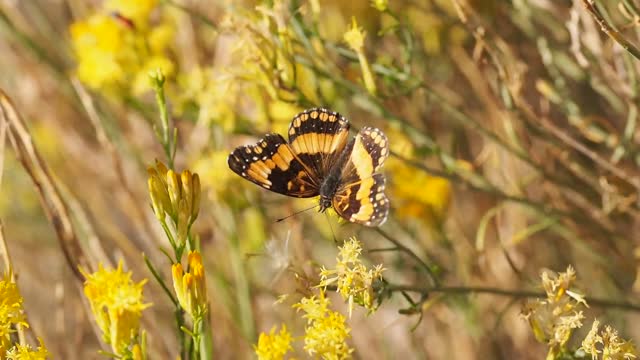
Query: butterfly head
[[325, 203]]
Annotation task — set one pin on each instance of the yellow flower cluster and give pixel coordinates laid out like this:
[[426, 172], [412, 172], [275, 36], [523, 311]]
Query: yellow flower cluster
[[554, 318], [26, 352], [117, 304], [175, 196], [191, 287], [11, 312], [352, 278], [326, 332], [273, 346], [12, 317], [608, 343], [117, 46]]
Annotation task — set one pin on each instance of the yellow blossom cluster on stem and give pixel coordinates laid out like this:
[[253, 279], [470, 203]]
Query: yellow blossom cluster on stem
[[352, 278], [190, 286], [554, 318], [273, 346], [11, 312], [117, 46], [117, 305], [26, 352], [605, 344], [326, 332], [11, 318]]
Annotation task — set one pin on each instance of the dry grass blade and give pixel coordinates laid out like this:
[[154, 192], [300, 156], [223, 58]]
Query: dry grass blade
[[52, 203]]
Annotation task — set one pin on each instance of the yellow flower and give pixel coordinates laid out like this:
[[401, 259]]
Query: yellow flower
[[326, 331], [116, 303], [553, 319], [354, 37], [352, 278], [273, 346], [25, 352], [175, 196], [191, 287], [11, 311]]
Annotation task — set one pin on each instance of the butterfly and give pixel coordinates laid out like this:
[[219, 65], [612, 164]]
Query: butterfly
[[319, 159]]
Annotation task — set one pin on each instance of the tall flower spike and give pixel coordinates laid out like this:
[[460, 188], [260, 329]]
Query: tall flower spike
[[176, 196], [190, 287], [354, 37]]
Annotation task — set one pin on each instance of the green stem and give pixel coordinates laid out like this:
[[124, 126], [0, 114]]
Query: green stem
[[598, 302]]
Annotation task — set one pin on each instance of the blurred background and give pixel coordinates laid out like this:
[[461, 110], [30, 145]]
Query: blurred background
[[512, 125]]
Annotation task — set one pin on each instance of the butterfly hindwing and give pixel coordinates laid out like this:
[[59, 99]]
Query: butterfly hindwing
[[360, 197], [363, 202], [272, 164], [318, 136]]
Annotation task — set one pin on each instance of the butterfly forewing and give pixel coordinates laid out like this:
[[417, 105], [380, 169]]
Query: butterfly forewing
[[318, 137], [272, 164]]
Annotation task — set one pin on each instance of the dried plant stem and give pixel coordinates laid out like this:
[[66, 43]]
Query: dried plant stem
[[614, 34], [52, 203]]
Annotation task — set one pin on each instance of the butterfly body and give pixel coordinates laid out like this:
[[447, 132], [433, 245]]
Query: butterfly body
[[319, 161]]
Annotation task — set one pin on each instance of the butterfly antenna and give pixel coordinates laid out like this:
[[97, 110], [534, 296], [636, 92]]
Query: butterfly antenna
[[335, 239], [295, 213]]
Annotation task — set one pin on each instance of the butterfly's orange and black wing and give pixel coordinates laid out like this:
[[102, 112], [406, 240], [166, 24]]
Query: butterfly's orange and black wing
[[318, 136], [272, 164], [360, 197]]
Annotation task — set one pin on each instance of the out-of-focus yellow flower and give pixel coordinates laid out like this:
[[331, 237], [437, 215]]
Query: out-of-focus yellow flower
[[117, 44], [191, 287], [11, 311], [273, 346], [352, 278], [553, 319], [176, 196], [380, 5], [608, 343], [415, 193], [326, 332], [138, 11], [354, 37], [99, 44], [26, 352], [117, 304]]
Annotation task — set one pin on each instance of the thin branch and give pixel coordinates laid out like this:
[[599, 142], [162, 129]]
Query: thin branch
[[598, 302], [413, 255]]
